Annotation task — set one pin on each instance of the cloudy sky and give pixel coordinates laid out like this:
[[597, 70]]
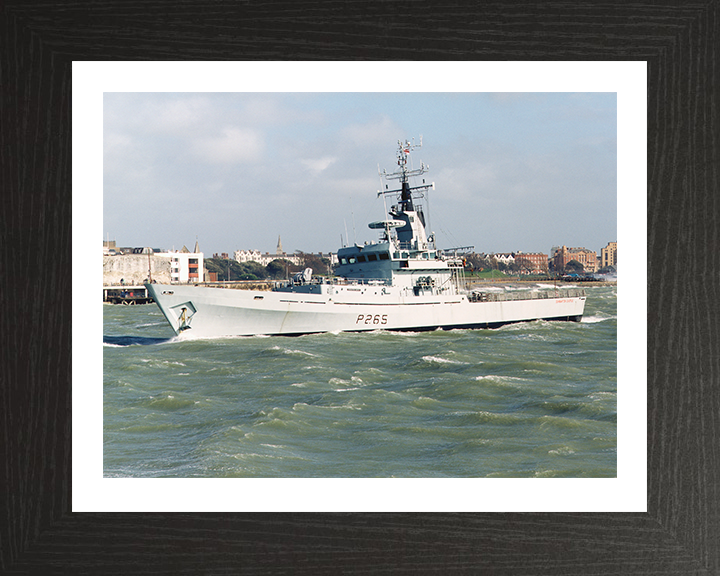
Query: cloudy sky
[[236, 170]]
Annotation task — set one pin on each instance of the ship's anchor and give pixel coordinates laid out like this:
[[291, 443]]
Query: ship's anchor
[[183, 320]]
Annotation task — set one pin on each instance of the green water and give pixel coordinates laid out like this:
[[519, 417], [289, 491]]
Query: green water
[[527, 400]]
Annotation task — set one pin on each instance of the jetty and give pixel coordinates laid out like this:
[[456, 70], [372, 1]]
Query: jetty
[[127, 295]]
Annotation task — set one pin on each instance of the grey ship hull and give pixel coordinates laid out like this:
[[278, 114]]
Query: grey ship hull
[[197, 311]]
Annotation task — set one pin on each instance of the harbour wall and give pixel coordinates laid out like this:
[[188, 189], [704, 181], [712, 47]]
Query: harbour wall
[[133, 269]]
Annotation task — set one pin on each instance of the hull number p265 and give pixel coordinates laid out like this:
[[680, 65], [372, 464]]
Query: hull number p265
[[370, 319]]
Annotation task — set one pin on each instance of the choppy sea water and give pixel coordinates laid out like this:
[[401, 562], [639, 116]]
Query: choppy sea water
[[536, 399]]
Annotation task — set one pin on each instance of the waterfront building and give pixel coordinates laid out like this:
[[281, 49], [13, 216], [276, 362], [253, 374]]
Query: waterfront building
[[535, 261], [247, 256], [563, 255], [186, 266], [608, 255], [265, 259], [506, 258]]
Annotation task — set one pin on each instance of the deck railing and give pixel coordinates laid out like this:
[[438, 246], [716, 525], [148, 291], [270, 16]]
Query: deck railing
[[336, 281], [478, 296]]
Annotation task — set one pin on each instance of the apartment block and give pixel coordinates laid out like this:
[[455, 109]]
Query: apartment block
[[563, 255], [536, 261], [608, 255]]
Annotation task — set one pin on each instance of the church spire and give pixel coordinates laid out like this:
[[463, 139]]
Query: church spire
[[279, 246]]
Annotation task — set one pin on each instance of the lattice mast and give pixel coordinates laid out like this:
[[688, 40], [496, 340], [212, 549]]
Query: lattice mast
[[405, 198]]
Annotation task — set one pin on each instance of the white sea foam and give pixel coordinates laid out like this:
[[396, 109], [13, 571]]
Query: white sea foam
[[371, 369], [496, 378], [302, 352], [595, 394], [522, 326], [438, 360], [339, 381], [563, 451], [290, 351], [595, 319], [188, 335]]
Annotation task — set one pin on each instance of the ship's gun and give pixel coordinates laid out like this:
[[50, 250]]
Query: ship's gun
[[303, 277]]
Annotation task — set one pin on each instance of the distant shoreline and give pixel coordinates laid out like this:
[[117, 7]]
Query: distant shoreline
[[268, 284], [490, 281]]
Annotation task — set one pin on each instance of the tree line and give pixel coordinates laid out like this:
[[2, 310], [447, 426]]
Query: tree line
[[485, 263], [230, 270]]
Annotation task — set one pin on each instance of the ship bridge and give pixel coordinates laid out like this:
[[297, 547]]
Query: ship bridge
[[405, 255]]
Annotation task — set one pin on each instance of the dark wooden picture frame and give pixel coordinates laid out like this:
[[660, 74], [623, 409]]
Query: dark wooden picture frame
[[680, 533]]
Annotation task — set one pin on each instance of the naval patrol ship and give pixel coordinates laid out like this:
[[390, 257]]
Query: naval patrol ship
[[401, 281]]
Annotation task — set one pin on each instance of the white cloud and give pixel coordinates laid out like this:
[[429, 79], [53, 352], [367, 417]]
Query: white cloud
[[115, 148], [236, 145], [278, 110], [382, 129], [475, 180], [179, 116], [317, 165]]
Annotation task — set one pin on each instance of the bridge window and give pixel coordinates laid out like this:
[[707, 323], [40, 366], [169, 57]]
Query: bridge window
[[361, 258], [384, 256], [372, 257]]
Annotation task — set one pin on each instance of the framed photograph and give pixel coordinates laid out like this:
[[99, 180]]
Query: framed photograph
[[65, 515]]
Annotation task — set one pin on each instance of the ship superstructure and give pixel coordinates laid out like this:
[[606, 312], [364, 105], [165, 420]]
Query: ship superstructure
[[399, 282]]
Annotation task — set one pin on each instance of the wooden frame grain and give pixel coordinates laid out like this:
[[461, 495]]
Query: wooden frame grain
[[680, 532]]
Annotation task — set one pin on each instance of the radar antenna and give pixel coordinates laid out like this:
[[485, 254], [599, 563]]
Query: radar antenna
[[404, 173]]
